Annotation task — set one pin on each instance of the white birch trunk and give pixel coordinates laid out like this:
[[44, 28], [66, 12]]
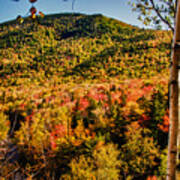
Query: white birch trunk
[[173, 131]]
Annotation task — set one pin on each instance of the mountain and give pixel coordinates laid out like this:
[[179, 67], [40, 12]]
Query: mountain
[[73, 86], [83, 46]]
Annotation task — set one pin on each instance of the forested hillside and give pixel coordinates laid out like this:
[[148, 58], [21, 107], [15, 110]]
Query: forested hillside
[[83, 97]]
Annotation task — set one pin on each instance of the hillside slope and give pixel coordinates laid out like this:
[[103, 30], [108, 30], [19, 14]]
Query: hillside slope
[[74, 87], [79, 46]]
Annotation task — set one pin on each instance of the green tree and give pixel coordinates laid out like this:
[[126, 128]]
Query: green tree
[[156, 12]]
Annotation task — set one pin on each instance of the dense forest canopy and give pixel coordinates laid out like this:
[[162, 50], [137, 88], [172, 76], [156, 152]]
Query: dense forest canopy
[[73, 87]]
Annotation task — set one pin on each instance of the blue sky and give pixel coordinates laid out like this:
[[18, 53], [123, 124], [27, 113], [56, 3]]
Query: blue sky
[[118, 9]]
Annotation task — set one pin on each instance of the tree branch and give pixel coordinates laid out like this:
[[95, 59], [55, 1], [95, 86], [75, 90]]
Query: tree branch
[[160, 16], [73, 2]]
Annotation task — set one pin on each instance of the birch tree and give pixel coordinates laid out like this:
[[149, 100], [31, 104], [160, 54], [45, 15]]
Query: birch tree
[[167, 12], [173, 132]]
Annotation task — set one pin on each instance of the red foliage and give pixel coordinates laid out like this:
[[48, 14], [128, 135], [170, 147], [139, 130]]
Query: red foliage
[[144, 120], [65, 100], [116, 97], [98, 94], [53, 143], [83, 104], [29, 118], [151, 178], [100, 97], [101, 88], [147, 89], [33, 10], [22, 106], [41, 14], [59, 132], [133, 95], [32, 1]]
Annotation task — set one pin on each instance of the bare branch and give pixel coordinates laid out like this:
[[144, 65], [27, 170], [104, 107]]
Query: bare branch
[[73, 3]]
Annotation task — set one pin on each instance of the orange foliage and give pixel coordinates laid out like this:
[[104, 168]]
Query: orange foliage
[[152, 178], [165, 125]]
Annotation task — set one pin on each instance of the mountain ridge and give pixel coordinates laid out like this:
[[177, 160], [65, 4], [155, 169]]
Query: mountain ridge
[[58, 15], [83, 43]]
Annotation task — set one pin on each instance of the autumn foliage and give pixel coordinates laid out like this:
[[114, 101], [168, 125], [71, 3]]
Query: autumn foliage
[[83, 97]]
